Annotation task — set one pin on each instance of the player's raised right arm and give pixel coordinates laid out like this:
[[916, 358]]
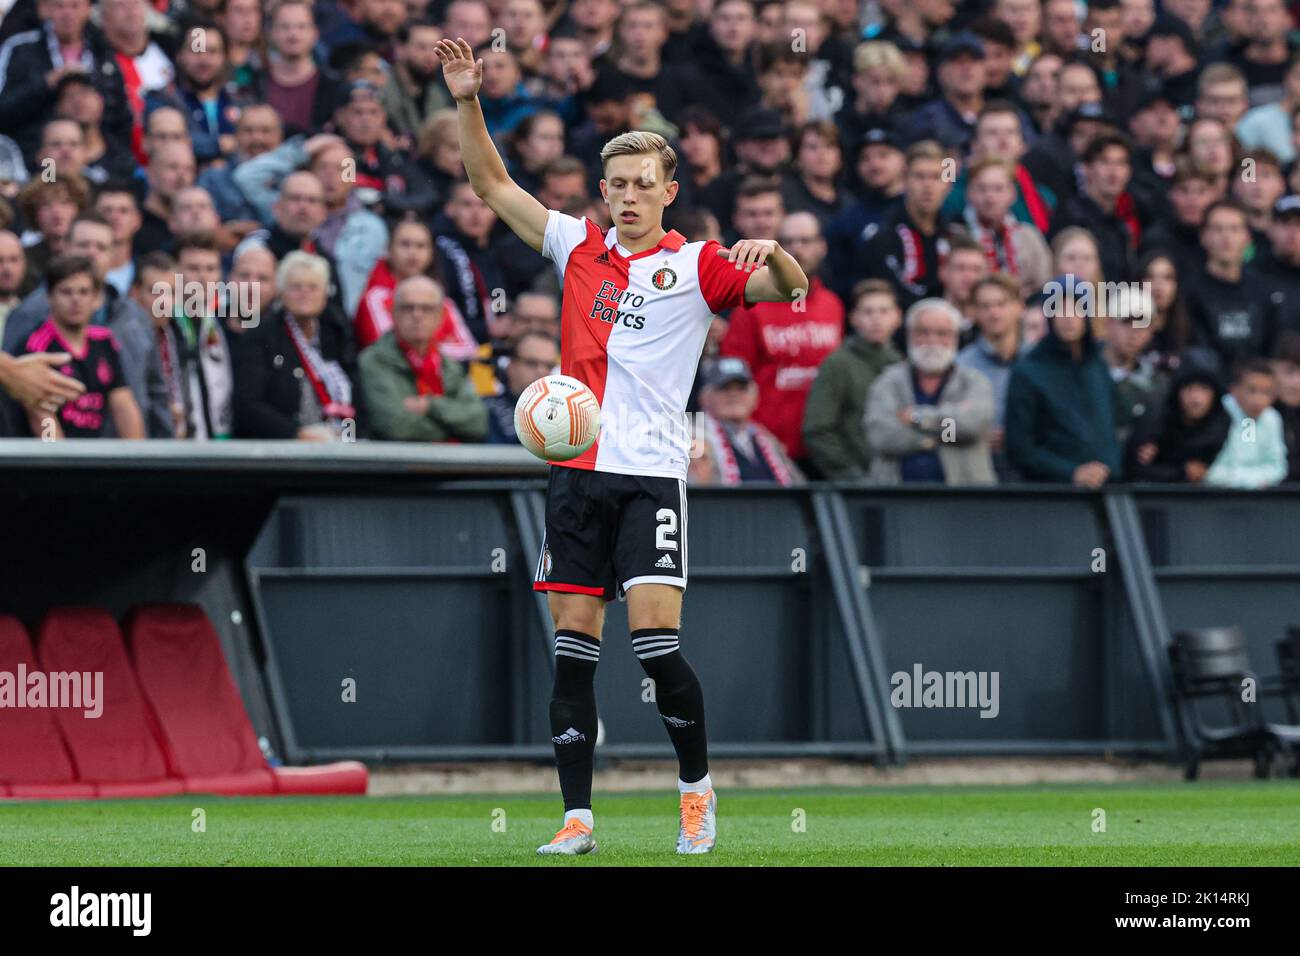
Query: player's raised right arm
[[487, 173]]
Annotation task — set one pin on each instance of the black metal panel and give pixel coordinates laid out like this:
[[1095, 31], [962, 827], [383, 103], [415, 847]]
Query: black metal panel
[[430, 660], [748, 642], [1026, 586]]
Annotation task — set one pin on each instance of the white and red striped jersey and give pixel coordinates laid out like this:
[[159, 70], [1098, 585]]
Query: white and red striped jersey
[[632, 327]]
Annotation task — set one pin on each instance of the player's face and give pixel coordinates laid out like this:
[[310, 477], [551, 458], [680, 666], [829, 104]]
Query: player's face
[[74, 300], [637, 192]]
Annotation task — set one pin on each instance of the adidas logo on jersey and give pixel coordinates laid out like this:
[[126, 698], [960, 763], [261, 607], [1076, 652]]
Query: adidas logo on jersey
[[666, 562], [677, 721], [570, 736], [603, 259]]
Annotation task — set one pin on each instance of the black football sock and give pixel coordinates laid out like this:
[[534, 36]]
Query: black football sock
[[678, 695], [573, 715]]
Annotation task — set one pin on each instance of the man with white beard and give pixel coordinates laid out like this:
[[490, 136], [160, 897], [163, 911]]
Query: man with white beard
[[929, 419]]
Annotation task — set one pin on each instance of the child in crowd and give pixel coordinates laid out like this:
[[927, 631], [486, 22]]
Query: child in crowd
[[1179, 438], [1254, 455]]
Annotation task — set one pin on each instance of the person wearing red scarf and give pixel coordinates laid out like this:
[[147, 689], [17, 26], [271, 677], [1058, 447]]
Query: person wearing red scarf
[[410, 253], [1011, 246], [412, 391]]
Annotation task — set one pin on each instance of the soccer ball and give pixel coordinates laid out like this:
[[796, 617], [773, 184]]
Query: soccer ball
[[557, 418]]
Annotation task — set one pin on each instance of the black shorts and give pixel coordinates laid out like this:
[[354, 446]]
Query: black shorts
[[607, 532]]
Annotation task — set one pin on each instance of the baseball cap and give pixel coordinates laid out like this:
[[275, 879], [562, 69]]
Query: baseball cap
[[961, 43], [880, 136], [1092, 112], [1151, 97], [724, 371], [759, 123], [359, 89], [1287, 206]]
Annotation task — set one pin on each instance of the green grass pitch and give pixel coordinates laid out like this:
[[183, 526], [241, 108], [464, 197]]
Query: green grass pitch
[[1204, 824]]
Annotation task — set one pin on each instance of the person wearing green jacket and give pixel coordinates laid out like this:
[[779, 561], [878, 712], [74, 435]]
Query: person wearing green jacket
[[413, 392], [1060, 417], [832, 424]]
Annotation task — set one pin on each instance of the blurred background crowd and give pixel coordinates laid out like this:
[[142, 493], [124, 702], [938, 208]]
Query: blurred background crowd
[[1049, 240]]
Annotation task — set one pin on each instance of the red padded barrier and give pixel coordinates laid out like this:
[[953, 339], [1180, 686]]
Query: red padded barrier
[[31, 750], [344, 777], [121, 745], [183, 674], [168, 787], [252, 783], [52, 791]]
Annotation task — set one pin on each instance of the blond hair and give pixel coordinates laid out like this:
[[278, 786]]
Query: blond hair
[[638, 143], [877, 53]]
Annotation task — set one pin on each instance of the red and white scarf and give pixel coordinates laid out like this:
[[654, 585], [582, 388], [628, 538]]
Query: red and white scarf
[[725, 456], [998, 241], [328, 380], [913, 254]]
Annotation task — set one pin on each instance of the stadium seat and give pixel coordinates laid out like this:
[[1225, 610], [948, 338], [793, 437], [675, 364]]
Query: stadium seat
[[34, 762], [344, 777], [1211, 663], [206, 731], [208, 738], [1288, 661], [119, 751]]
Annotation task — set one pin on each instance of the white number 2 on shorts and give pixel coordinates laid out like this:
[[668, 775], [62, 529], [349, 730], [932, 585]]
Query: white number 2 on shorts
[[667, 519]]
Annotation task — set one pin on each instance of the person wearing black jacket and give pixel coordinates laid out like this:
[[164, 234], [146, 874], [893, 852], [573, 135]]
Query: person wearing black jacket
[[471, 265], [1279, 265], [904, 249], [721, 77], [1232, 307], [296, 372], [1179, 439], [32, 64], [1104, 206]]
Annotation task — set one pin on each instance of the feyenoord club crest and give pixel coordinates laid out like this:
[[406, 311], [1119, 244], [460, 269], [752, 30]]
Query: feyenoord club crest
[[664, 279]]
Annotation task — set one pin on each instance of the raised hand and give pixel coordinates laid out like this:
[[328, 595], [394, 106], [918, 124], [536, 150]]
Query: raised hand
[[749, 254], [463, 74]]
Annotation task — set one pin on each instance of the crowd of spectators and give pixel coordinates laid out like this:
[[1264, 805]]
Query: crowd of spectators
[[1047, 240]]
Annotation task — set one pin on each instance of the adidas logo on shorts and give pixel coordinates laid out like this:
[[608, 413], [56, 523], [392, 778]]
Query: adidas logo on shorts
[[666, 562], [570, 736], [677, 721]]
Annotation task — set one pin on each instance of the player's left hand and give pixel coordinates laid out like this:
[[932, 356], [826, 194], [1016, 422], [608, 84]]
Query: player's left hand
[[749, 254]]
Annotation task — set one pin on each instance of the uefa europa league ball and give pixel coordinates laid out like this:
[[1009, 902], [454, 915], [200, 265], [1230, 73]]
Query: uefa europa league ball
[[557, 418]]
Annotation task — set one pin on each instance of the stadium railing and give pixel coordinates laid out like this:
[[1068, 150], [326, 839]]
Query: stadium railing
[[373, 599]]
